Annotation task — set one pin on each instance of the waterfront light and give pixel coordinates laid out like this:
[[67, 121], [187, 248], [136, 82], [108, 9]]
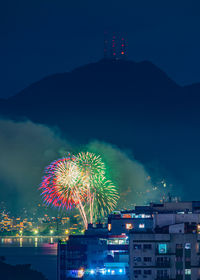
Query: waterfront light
[[80, 273]]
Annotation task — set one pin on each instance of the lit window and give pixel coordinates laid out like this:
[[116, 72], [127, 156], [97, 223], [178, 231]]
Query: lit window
[[187, 246], [187, 271], [162, 248], [198, 228], [109, 227], [141, 226], [197, 248], [129, 226]]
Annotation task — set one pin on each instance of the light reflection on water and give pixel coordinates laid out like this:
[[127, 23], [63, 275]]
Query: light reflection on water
[[21, 242], [50, 242], [40, 252]]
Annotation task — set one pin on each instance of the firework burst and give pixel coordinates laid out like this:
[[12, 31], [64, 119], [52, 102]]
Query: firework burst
[[91, 167], [105, 197], [80, 181]]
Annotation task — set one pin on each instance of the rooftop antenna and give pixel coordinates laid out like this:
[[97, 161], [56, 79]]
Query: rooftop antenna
[[114, 53], [123, 48], [105, 44]]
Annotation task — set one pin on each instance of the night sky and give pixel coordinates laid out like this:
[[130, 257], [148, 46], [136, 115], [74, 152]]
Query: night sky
[[42, 37], [161, 139]]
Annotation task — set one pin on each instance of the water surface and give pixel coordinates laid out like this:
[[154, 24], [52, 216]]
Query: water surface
[[37, 251]]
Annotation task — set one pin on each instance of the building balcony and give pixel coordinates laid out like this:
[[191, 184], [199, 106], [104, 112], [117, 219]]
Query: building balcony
[[179, 277], [163, 278], [114, 247], [179, 265], [165, 264], [188, 265], [168, 252], [179, 252]]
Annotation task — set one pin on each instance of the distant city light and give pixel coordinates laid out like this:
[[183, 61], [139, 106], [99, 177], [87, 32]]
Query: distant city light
[[80, 273]]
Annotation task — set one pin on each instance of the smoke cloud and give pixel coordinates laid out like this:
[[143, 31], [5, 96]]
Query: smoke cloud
[[128, 174], [26, 148]]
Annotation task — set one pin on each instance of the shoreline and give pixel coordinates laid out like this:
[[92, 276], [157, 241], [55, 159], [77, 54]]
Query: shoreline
[[35, 236]]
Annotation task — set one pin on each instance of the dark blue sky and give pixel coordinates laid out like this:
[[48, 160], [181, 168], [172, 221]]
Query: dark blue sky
[[42, 37]]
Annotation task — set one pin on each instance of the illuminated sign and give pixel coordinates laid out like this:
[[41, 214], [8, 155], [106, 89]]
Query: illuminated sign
[[127, 216], [162, 248]]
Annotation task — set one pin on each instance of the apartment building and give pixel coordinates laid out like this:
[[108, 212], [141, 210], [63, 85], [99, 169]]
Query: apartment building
[[171, 250], [159, 241]]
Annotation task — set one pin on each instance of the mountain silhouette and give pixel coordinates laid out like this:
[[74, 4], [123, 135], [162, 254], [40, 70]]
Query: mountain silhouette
[[133, 105], [96, 86]]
